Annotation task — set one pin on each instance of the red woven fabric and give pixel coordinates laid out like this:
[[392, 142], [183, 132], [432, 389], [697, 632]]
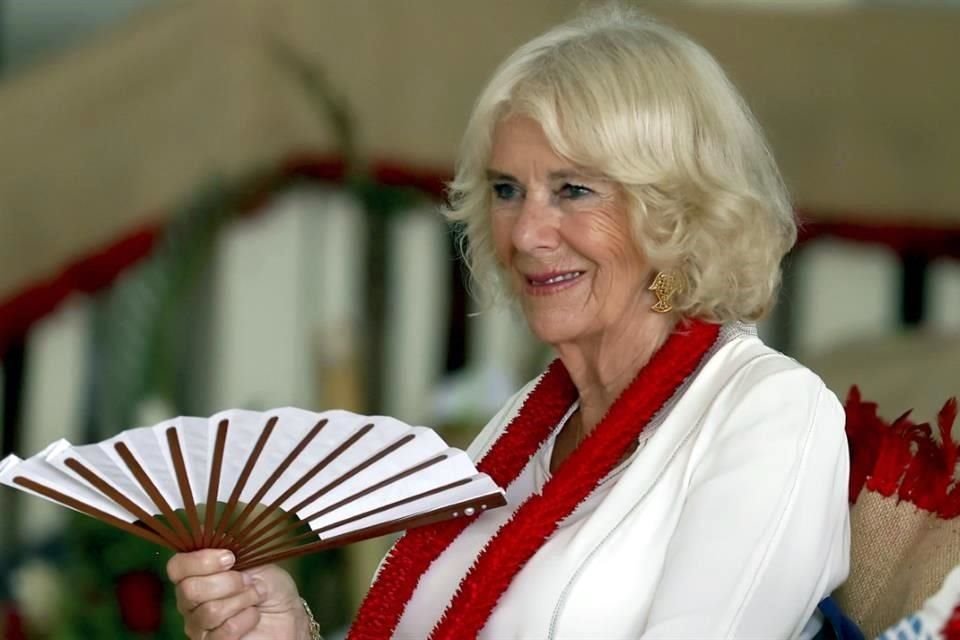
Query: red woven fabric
[[952, 629], [538, 517]]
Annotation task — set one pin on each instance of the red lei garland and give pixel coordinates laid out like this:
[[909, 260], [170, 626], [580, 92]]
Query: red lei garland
[[538, 517]]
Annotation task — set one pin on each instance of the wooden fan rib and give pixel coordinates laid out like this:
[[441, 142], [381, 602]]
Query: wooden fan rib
[[213, 488], [314, 533], [253, 538], [359, 495], [224, 522], [151, 490], [482, 503], [438, 515], [183, 482], [262, 491], [93, 512], [106, 489], [272, 513], [426, 464]]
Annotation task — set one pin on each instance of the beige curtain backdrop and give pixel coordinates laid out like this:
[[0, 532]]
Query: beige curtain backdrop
[[860, 104]]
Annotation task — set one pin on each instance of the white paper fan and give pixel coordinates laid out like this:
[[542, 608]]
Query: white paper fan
[[268, 486]]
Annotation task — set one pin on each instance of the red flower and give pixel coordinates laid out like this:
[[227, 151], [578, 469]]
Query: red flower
[[140, 595], [11, 624]]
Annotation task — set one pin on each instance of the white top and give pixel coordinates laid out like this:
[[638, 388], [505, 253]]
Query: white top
[[729, 521]]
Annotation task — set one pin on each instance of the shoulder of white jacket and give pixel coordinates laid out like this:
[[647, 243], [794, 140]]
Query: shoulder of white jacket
[[749, 361], [747, 370]]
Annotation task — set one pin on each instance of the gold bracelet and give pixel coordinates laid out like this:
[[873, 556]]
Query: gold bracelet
[[314, 627]]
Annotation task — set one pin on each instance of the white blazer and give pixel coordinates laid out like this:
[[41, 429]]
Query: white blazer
[[730, 521]]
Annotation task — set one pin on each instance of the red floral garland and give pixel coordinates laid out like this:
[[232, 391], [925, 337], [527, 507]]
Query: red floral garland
[[538, 517]]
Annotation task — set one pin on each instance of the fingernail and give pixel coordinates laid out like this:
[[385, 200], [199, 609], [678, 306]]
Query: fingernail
[[247, 579], [226, 559]]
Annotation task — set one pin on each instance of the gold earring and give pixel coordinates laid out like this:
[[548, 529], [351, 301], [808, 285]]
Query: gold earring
[[665, 286]]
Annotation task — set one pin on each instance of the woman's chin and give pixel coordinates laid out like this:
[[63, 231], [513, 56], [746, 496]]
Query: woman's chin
[[553, 331]]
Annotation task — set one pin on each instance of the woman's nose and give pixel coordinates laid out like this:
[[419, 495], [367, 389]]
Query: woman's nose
[[536, 227]]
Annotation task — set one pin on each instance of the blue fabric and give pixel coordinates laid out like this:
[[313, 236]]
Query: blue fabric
[[836, 626]]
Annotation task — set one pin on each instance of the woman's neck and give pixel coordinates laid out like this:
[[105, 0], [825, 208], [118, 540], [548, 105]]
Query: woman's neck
[[603, 366]]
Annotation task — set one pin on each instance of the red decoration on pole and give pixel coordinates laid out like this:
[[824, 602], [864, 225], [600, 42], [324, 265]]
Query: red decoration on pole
[[140, 596], [11, 624]]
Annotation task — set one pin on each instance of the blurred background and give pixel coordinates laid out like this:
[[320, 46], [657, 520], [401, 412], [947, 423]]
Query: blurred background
[[233, 203]]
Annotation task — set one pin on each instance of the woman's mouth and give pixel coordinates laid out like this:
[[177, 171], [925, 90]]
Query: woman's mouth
[[547, 283]]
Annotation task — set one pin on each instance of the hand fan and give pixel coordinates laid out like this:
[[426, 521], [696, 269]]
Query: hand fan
[[268, 486]]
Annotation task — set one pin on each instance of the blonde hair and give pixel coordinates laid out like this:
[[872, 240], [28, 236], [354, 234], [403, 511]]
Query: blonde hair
[[650, 109]]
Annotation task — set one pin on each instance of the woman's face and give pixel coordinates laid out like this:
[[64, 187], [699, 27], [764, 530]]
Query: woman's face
[[563, 236]]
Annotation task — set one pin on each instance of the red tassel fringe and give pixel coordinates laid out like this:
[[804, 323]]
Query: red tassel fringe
[[538, 517], [903, 459]]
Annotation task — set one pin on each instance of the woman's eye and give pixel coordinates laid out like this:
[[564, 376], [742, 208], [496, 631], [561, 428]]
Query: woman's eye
[[574, 191], [505, 190]]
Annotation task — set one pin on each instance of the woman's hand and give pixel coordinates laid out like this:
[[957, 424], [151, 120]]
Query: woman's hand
[[220, 604]]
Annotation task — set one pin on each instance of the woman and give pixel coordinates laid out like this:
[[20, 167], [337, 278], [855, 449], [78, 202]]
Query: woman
[[669, 476]]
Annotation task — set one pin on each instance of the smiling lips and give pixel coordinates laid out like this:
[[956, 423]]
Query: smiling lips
[[547, 283]]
